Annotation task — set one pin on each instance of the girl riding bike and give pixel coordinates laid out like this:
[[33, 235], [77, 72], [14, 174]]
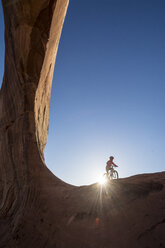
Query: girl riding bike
[[111, 173]]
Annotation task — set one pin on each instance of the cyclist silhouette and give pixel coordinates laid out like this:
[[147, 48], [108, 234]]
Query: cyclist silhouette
[[110, 164]]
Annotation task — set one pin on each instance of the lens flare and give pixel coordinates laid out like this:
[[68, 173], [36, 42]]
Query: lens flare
[[102, 180]]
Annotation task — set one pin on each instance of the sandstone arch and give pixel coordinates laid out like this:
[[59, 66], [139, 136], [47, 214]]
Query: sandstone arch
[[36, 208]]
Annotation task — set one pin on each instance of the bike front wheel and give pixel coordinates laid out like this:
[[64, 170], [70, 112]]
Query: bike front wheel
[[114, 175]]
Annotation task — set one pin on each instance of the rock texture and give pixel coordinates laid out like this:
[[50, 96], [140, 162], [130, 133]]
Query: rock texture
[[36, 208]]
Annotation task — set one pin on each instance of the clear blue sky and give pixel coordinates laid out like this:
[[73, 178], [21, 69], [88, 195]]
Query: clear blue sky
[[108, 94]]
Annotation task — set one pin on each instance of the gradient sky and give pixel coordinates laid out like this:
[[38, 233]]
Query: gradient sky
[[108, 93]]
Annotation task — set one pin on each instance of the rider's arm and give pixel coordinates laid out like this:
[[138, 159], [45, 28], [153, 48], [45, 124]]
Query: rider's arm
[[114, 164]]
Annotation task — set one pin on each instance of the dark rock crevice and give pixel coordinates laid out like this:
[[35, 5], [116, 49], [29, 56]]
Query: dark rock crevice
[[152, 228]]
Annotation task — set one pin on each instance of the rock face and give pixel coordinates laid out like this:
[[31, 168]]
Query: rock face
[[36, 208]]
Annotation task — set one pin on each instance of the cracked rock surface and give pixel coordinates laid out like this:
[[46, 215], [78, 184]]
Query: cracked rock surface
[[36, 208]]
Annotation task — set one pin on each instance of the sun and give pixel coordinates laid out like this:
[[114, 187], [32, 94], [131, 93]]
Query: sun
[[102, 180]]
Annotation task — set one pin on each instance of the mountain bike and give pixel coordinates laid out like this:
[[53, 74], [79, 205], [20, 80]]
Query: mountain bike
[[111, 174]]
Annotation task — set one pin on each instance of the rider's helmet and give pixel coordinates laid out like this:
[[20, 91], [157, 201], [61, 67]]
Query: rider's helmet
[[111, 157]]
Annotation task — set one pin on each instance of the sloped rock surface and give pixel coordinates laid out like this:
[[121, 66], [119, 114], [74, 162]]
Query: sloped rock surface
[[36, 208]]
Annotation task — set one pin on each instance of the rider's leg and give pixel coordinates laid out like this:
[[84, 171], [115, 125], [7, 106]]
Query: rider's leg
[[107, 168]]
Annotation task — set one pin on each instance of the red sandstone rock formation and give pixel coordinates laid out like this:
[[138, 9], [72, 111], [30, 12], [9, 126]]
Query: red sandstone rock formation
[[36, 208]]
